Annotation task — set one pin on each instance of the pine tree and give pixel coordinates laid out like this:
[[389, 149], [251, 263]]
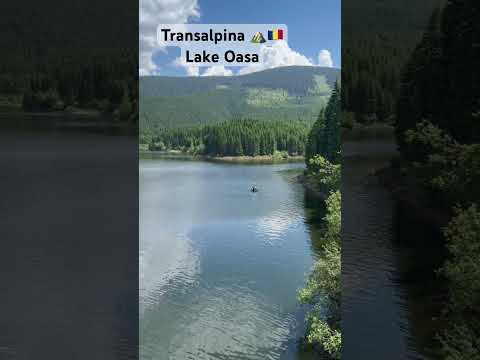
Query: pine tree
[[331, 132]]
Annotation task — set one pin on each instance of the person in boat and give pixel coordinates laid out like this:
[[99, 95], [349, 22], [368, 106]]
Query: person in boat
[[254, 188]]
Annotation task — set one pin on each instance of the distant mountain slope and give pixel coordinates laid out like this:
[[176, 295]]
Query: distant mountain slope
[[378, 37], [287, 93]]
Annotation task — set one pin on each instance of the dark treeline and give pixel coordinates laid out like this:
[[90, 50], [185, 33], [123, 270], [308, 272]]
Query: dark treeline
[[50, 79], [370, 79], [378, 39], [440, 94], [438, 130], [232, 138], [50, 62], [324, 137], [440, 85], [57, 81]]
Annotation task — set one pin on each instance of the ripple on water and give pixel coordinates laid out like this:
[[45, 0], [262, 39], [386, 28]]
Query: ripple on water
[[220, 269], [371, 299], [228, 323], [178, 269]]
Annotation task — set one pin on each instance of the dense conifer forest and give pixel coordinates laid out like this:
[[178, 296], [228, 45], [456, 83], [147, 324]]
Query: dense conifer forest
[[438, 131], [232, 138], [323, 288], [104, 80], [324, 137], [377, 40], [50, 63]]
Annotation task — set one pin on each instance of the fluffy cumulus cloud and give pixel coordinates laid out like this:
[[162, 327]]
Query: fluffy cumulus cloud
[[152, 13], [218, 70], [189, 69], [325, 58], [278, 54]]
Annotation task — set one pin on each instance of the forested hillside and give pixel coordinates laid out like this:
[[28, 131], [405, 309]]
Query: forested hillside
[[283, 94], [323, 288], [62, 66], [232, 138], [438, 129], [377, 40]]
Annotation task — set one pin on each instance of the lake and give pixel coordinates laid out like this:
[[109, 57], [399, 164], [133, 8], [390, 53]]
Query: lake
[[386, 307], [69, 230], [219, 265]]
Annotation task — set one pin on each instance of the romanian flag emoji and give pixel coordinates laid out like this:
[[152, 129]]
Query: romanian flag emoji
[[275, 34]]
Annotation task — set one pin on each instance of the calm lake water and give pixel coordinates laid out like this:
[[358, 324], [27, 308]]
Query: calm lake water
[[68, 218], [220, 266], [385, 315]]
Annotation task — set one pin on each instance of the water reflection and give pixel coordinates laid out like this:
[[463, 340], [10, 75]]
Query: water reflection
[[219, 265]]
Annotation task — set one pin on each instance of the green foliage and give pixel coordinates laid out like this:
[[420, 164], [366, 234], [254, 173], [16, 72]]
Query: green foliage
[[451, 170], [81, 78], [125, 108], [283, 94], [324, 281], [348, 120], [377, 42], [324, 285], [42, 101], [296, 80], [315, 138], [459, 342], [463, 267], [356, 132], [334, 216], [266, 97], [327, 174], [331, 131], [233, 138], [444, 153], [461, 339], [437, 83], [321, 333], [324, 137]]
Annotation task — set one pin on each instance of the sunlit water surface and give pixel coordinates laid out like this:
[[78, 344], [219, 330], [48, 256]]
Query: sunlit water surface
[[220, 265]]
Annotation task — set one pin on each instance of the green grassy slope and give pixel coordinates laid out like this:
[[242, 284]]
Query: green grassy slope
[[288, 93]]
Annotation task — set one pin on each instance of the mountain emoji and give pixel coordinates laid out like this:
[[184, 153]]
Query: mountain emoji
[[258, 38]]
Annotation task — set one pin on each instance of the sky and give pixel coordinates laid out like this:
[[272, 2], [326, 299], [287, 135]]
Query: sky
[[314, 32]]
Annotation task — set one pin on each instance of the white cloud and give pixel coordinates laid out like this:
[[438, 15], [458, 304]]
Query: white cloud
[[325, 58], [217, 70], [146, 65], [278, 54], [191, 70], [152, 13]]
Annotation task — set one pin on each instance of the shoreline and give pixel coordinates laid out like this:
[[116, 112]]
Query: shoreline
[[311, 185], [178, 155], [70, 111]]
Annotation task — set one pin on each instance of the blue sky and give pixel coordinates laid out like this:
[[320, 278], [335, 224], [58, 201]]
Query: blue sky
[[312, 26]]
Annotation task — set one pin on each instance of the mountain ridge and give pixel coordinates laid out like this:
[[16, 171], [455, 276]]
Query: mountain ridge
[[283, 93]]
